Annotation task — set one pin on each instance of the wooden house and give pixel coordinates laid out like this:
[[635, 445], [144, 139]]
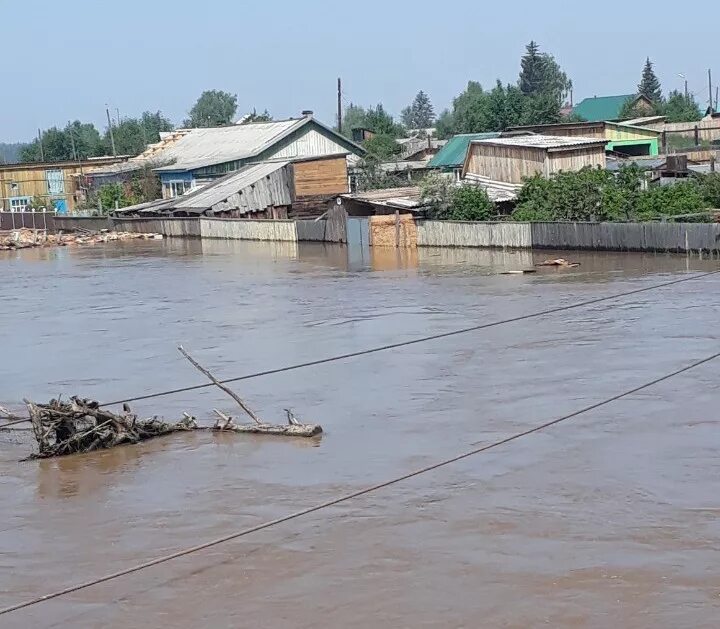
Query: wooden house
[[57, 184], [512, 159], [270, 189], [196, 157]]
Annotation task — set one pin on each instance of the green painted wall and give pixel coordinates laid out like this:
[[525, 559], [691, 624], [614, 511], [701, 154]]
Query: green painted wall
[[652, 144]]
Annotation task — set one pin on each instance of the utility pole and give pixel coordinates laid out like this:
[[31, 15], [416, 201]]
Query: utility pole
[[339, 105], [42, 151], [717, 93], [710, 92], [72, 142], [117, 110], [112, 137]]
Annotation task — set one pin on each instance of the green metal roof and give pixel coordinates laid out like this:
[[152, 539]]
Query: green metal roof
[[452, 155], [602, 107]]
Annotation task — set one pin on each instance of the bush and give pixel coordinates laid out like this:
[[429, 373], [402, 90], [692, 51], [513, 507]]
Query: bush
[[590, 194], [598, 195], [684, 197], [470, 203], [448, 202]]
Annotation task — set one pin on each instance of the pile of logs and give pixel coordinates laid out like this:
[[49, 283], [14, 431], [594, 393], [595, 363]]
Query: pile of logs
[[29, 238], [82, 425]]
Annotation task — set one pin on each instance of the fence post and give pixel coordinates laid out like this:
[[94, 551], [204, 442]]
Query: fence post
[[664, 142], [697, 136], [397, 229]]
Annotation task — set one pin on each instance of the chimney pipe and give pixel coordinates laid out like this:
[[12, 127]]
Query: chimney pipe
[[307, 113]]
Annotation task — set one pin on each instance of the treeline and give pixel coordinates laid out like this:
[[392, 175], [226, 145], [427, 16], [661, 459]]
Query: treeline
[[126, 136]]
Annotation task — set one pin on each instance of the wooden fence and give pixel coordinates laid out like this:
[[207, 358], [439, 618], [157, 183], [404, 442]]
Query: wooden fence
[[170, 227], [243, 229], [675, 237], [661, 237], [469, 234]]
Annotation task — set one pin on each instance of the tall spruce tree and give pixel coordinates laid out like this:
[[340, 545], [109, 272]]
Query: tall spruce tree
[[532, 73], [649, 85], [420, 114]]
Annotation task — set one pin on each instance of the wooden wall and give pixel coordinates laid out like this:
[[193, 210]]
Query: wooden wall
[[575, 160], [321, 177], [31, 180], [505, 163], [392, 231]]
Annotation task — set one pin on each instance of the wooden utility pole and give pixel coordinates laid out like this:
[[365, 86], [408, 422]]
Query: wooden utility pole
[[339, 105], [112, 137], [42, 151], [710, 92]]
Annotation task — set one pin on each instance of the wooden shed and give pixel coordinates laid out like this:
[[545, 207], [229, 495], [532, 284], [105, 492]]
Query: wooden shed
[[512, 159], [621, 137]]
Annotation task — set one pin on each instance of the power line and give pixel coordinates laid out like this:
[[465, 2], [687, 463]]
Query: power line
[[382, 348], [424, 339], [350, 496]]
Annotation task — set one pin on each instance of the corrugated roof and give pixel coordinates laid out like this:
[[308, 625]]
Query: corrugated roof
[[497, 191], [401, 198], [452, 155], [602, 107], [189, 149], [550, 142], [205, 147], [224, 188]]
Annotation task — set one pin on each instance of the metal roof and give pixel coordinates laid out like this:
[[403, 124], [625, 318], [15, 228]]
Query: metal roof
[[205, 147], [548, 142], [452, 155], [603, 107], [497, 191], [189, 149], [224, 188], [400, 198]]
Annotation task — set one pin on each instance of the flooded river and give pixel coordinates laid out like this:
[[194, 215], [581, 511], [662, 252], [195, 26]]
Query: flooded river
[[612, 519]]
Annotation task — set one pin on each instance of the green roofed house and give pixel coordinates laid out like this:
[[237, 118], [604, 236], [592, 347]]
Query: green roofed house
[[601, 108], [451, 157]]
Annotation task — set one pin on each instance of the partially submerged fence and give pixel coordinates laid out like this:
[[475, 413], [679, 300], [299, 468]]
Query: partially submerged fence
[[673, 237], [171, 227], [470, 234]]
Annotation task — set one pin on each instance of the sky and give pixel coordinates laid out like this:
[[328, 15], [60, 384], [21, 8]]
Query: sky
[[77, 56]]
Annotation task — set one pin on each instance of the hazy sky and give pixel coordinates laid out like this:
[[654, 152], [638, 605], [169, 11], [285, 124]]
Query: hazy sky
[[65, 60]]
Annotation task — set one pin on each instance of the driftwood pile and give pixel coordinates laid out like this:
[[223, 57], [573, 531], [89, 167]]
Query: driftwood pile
[[30, 238], [82, 425]]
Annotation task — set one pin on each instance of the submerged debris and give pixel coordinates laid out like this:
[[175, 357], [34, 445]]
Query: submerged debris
[[559, 262], [80, 425], [29, 238]]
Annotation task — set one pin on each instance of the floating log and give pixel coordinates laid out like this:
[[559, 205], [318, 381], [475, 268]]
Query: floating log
[[293, 428]]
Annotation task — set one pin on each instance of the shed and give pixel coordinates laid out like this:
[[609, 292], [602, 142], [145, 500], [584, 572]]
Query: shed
[[610, 107], [621, 137], [511, 160]]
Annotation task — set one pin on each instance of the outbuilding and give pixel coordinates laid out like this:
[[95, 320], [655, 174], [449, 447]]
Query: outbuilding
[[512, 159]]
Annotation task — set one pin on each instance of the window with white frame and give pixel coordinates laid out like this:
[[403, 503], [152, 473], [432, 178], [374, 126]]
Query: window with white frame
[[178, 188], [18, 204]]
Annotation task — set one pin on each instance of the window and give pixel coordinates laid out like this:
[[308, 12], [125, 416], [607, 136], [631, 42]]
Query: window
[[18, 204], [55, 182], [178, 188]]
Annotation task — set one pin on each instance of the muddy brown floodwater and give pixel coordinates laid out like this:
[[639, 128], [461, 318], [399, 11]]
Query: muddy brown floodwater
[[611, 520]]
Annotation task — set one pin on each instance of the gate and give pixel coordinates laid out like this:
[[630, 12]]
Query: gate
[[358, 232]]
